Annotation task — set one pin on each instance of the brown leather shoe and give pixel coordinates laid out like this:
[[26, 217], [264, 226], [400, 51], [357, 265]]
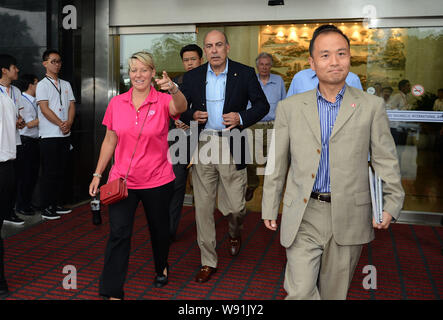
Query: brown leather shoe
[[249, 193], [205, 274], [234, 246]]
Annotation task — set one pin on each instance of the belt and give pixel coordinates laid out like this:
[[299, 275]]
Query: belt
[[324, 197], [27, 138]]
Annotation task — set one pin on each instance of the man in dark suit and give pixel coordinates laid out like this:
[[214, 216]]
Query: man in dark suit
[[218, 93]]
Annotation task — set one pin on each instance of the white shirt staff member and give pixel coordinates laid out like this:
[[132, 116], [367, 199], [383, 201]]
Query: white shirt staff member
[[11, 94], [30, 115], [28, 154], [14, 93], [8, 140], [56, 114], [57, 96]]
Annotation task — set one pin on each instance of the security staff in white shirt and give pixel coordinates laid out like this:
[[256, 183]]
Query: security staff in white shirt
[[28, 153], [11, 95], [56, 114], [9, 122]]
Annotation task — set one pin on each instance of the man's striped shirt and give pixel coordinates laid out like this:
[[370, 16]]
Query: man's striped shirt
[[327, 112]]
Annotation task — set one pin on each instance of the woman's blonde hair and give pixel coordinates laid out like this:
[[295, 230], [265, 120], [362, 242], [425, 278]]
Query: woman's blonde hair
[[144, 57]]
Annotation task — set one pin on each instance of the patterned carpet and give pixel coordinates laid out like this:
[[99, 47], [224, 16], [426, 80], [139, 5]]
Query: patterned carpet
[[407, 258]]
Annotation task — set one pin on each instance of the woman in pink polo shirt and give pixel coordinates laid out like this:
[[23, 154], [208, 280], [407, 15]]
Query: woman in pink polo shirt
[[150, 179]]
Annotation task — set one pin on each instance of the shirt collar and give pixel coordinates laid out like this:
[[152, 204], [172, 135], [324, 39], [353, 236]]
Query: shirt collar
[[29, 97], [271, 78], [224, 71], [311, 73], [152, 96], [50, 79], [338, 98], [4, 88]]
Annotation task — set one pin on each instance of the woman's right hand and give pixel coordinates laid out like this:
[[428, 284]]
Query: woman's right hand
[[93, 187]]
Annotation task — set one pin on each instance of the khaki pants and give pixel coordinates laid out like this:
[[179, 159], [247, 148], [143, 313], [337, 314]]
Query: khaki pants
[[318, 267], [260, 150], [231, 186]]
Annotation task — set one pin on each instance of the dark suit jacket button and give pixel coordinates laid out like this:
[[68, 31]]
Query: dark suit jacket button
[[305, 200], [318, 151], [313, 176]]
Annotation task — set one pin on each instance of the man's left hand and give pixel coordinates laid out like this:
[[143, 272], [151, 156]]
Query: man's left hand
[[231, 119], [387, 218]]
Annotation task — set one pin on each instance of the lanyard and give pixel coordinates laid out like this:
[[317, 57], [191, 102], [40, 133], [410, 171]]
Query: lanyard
[[58, 90], [12, 96], [32, 104]]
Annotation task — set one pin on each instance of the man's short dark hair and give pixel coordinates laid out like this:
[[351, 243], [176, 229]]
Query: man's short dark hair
[[191, 47], [402, 84], [25, 80], [6, 61], [48, 52], [388, 88], [440, 90], [325, 29]]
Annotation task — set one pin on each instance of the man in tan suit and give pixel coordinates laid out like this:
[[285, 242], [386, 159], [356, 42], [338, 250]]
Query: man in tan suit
[[324, 136]]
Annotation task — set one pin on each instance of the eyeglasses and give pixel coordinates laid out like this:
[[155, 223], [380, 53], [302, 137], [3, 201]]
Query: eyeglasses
[[55, 62]]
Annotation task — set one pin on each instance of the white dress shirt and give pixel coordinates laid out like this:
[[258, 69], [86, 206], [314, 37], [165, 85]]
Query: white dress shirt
[[8, 138], [29, 113], [14, 94], [58, 102]]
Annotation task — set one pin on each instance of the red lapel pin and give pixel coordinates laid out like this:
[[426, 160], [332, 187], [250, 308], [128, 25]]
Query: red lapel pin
[[353, 105]]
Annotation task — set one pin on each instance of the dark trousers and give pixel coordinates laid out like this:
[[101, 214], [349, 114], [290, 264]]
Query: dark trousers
[[54, 154], [121, 220], [7, 196], [175, 208], [27, 166]]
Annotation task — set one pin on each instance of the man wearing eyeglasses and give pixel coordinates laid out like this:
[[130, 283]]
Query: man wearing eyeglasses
[[56, 114]]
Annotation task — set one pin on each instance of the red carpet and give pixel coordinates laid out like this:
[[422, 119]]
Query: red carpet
[[407, 259]]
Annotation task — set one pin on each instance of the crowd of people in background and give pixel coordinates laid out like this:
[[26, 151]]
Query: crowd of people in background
[[45, 112], [35, 127]]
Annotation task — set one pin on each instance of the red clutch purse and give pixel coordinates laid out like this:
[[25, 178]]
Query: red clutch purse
[[113, 191]]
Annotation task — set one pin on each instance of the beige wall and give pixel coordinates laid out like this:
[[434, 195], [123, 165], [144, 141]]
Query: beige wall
[[424, 63], [170, 12], [243, 40]]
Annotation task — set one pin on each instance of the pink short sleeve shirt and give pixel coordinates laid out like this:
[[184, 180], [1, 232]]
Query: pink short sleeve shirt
[[150, 167]]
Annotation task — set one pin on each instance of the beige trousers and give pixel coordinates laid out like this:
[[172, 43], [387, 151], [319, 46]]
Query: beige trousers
[[230, 183], [260, 135], [318, 267]]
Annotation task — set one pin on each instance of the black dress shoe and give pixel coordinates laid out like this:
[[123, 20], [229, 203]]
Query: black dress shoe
[[249, 193], [161, 280]]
